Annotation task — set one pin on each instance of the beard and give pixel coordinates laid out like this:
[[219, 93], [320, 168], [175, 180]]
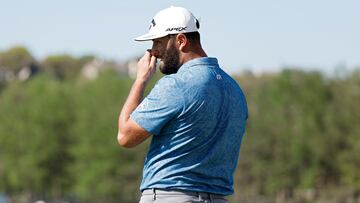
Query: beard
[[171, 62]]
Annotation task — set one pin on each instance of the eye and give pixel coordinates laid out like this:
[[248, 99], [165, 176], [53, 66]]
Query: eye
[[158, 42]]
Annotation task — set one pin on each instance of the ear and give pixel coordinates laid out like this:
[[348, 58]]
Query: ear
[[181, 41]]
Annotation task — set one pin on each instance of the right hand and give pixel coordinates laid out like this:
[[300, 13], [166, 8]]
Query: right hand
[[146, 67]]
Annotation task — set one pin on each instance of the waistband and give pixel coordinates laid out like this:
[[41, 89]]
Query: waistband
[[201, 195]]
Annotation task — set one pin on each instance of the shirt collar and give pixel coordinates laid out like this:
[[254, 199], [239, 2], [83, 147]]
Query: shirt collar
[[210, 61]]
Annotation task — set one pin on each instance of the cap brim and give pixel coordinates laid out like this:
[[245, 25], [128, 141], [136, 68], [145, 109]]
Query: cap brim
[[149, 36]]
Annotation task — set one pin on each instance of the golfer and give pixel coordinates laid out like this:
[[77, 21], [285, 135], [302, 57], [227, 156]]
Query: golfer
[[195, 114]]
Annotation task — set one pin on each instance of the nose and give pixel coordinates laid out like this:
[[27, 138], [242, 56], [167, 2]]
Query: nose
[[154, 53]]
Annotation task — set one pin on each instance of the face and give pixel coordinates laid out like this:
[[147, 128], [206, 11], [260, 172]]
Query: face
[[165, 49]]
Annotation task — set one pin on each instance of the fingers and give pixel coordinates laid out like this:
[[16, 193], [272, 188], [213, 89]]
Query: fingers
[[149, 59], [147, 55], [145, 59], [153, 61], [146, 66]]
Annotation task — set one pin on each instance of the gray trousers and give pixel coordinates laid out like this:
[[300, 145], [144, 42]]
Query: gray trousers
[[177, 196]]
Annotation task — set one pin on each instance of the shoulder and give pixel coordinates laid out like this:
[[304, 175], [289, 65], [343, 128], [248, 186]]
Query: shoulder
[[169, 83], [168, 87]]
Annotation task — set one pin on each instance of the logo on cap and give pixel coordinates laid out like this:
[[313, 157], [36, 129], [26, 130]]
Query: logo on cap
[[152, 24], [179, 29], [197, 24]]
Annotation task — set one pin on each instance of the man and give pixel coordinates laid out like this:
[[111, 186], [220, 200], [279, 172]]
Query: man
[[196, 115]]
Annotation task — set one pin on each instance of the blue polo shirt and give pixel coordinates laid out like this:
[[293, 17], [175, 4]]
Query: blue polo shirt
[[197, 118]]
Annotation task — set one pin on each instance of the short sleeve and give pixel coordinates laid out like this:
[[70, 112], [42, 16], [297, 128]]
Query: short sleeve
[[164, 102]]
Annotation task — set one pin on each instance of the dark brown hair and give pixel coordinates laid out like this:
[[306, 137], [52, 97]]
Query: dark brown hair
[[192, 36]]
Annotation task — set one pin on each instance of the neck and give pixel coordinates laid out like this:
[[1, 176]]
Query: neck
[[193, 54]]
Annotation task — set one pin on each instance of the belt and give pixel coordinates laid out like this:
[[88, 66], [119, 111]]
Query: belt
[[201, 195]]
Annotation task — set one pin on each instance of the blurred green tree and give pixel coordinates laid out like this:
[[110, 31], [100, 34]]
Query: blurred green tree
[[35, 137], [286, 117], [103, 172], [343, 130], [16, 58], [64, 66]]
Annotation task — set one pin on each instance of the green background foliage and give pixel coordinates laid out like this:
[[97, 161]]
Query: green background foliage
[[58, 136]]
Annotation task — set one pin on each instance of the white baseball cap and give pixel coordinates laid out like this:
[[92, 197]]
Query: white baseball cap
[[172, 20]]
